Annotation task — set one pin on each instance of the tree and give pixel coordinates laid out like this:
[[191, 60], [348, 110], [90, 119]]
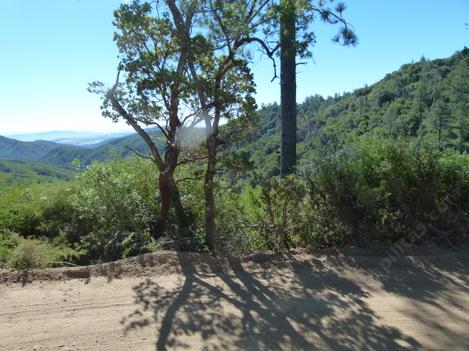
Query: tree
[[288, 86], [459, 88], [295, 40], [171, 69], [422, 96], [155, 93], [442, 119], [234, 25], [223, 83], [192, 57]]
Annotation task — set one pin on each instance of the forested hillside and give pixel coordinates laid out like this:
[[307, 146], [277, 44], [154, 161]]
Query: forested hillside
[[11, 171], [424, 103], [232, 211], [11, 149]]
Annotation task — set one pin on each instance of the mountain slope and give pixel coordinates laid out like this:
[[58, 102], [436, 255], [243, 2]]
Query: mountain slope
[[11, 171], [421, 104], [11, 149], [47, 152], [119, 147]]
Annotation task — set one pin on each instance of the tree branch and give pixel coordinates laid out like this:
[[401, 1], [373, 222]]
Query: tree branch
[[189, 179], [189, 160], [140, 155], [130, 120]]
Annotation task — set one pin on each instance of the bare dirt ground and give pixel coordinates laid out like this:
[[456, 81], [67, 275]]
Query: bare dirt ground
[[301, 301]]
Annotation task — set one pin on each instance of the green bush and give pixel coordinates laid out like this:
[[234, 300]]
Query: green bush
[[238, 226], [263, 217], [40, 210], [30, 253], [7, 244], [24, 253], [373, 192], [380, 191], [281, 202], [115, 204]]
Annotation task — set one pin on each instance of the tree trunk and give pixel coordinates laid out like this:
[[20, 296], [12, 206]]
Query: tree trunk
[[209, 193], [164, 185], [461, 137], [439, 137], [288, 87], [183, 215], [170, 195]]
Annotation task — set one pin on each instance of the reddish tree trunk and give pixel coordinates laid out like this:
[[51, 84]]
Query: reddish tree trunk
[[168, 190], [209, 193]]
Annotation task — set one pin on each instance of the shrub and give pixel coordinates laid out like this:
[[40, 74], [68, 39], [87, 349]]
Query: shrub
[[379, 191], [115, 205], [281, 200], [238, 225], [7, 244], [40, 210], [263, 217], [24, 253], [30, 253]]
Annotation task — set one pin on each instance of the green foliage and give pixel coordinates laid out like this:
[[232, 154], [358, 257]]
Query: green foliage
[[281, 199], [30, 254], [374, 192], [415, 104], [107, 211], [35, 209], [238, 214], [24, 253], [115, 205], [7, 244], [21, 171], [379, 191]]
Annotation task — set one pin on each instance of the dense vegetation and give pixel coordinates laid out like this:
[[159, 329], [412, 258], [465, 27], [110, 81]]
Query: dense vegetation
[[424, 104], [11, 171], [382, 164]]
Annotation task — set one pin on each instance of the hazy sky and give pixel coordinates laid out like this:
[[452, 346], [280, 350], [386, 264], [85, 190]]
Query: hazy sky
[[51, 49]]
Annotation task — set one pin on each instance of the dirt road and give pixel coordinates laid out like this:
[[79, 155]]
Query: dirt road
[[299, 302]]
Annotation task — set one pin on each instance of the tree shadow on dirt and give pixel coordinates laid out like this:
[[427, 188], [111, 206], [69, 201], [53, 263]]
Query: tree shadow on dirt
[[433, 285], [296, 309], [423, 278]]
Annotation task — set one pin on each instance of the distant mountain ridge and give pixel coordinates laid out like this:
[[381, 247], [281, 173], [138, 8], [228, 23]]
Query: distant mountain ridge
[[77, 138], [12, 149], [61, 155], [118, 147]]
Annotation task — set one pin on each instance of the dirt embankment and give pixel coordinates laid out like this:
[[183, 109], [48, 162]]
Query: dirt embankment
[[354, 300]]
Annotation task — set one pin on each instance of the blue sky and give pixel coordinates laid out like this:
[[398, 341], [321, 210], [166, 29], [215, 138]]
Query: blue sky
[[51, 50]]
